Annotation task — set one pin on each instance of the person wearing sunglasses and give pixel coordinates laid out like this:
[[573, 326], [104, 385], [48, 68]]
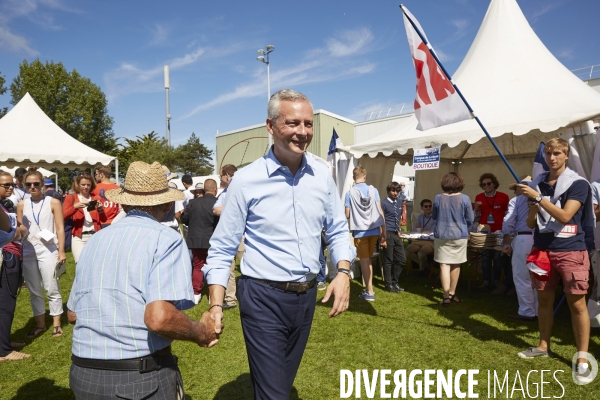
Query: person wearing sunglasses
[[20, 193], [492, 205], [419, 250], [43, 249], [11, 273], [85, 210]]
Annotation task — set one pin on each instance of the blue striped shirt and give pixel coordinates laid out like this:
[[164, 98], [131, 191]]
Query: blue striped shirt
[[123, 268], [282, 216]]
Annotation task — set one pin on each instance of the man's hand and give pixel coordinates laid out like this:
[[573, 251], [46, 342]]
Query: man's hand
[[340, 288], [527, 191], [62, 257], [208, 335], [507, 249], [383, 242]]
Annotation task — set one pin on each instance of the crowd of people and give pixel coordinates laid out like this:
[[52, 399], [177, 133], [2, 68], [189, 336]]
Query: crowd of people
[[144, 252]]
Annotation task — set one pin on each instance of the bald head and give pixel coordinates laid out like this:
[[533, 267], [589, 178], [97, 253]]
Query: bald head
[[210, 186]]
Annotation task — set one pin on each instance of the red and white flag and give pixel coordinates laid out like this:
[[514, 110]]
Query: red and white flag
[[437, 103]]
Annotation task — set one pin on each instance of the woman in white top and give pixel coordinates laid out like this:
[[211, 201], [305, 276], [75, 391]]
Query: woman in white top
[[43, 249], [86, 212]]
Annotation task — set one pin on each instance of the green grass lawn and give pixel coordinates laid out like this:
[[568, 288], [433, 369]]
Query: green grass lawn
[[398, 331]]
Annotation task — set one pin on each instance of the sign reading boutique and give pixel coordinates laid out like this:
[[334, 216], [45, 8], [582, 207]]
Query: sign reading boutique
[[426, 158]]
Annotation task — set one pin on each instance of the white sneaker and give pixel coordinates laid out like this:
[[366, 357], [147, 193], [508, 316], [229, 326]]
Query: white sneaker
[[197, 298]]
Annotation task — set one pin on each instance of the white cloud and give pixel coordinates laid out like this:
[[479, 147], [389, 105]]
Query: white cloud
[[128, 78], [565, 54], [546, 8], [15, 43], [349, 42], [36, 11], [160, 35], [329, 63], [443, 56]]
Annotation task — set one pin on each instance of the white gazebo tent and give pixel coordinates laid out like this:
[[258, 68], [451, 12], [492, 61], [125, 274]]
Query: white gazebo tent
[[520, 91], [30, 137]]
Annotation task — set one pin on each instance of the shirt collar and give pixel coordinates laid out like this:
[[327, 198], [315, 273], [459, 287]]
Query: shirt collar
[[391, 201], [273, 163]]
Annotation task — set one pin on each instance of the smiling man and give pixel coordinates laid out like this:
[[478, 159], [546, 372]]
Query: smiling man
[[281, 202]]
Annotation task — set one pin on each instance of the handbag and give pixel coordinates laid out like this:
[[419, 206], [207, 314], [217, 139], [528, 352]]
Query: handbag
[[60, 269]]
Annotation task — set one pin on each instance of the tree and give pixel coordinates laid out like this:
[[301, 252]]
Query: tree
[[193, 158], [4, 110], [147, 148], [73, 102]]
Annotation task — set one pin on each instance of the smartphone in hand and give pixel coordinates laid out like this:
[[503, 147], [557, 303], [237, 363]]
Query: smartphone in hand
[[92, 205]]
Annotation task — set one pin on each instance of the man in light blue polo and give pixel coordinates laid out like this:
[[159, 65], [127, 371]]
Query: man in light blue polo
[[132, 281], [281, 202]]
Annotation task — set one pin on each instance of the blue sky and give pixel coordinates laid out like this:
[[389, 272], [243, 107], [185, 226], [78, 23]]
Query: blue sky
[[348, 56]]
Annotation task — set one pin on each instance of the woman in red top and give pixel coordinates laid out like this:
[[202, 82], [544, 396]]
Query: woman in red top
[[85, 210]]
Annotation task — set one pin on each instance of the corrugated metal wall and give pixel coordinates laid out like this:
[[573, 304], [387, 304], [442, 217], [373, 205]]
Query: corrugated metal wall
[[242, 154]]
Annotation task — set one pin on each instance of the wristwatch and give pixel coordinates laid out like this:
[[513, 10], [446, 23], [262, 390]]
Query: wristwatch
[[347, 272], [538, 198]]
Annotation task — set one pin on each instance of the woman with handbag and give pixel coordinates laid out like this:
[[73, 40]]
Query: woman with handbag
[[453, 214], [43, 250], [85, 211], [11, 274]]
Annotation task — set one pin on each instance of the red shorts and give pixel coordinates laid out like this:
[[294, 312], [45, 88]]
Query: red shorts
[[572, 266]]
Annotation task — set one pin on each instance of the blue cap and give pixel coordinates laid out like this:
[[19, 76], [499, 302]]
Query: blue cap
[[48, 182]]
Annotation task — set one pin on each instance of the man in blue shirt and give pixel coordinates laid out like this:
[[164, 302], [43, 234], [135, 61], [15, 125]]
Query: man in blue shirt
[[281, 202], [132, 281], [420, 249], [363, 208], [393, 255], [515, 227]]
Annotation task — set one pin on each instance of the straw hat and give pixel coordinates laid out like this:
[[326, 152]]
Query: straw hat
[[199, 186], [168, 173], [145, 185], [513, 186]]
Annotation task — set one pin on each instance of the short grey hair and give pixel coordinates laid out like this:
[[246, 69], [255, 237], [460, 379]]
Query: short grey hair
[[273, 109]]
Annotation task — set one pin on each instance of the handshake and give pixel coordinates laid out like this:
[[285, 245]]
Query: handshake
[[210, 329]]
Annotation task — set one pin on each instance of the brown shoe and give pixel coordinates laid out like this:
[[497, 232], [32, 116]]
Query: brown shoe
[[522, 317]]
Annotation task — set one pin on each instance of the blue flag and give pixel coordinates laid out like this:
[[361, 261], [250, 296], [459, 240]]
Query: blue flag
[[333, 142], [539, 163]]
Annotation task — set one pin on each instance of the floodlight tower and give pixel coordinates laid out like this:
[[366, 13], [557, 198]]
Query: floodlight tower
[[167, 101], [264, 58]]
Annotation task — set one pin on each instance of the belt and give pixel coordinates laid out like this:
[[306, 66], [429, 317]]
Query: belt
[[524, 233], [294, 287], [88, 232], [149, 363]]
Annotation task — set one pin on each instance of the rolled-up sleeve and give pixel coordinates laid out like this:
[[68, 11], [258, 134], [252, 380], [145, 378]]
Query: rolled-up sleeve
[[227, 236], [6, 237], [336, 227], [510, 219]]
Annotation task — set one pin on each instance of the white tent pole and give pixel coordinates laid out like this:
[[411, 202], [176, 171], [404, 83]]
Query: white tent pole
[[117, 171], [56, 180]]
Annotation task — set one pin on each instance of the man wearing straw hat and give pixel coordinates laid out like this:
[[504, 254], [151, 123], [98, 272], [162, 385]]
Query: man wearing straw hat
[[132, 281], [281, 202]]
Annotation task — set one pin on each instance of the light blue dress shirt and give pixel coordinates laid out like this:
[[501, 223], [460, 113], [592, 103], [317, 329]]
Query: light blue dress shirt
[[282, 216], [6, 237], [515, 219], [122, 269]]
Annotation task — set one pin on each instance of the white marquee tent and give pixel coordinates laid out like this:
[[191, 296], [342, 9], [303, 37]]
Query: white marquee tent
[[30, 137], [520, 91]]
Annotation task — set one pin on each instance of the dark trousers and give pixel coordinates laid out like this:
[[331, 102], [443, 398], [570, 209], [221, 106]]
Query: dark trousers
[[393, 258], [198, 261], [97, 384], [10, 282], [276, 325], [501, 262]]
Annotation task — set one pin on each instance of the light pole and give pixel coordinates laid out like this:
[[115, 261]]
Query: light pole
[[264, 58], [168, 114]]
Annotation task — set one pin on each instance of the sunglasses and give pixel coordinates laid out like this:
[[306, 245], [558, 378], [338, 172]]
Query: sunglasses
[[7, 185], [487, 184], [30, 184]]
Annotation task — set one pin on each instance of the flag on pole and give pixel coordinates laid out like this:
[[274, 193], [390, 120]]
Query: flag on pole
[[333, 144], [539, 163], [437, 103]]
